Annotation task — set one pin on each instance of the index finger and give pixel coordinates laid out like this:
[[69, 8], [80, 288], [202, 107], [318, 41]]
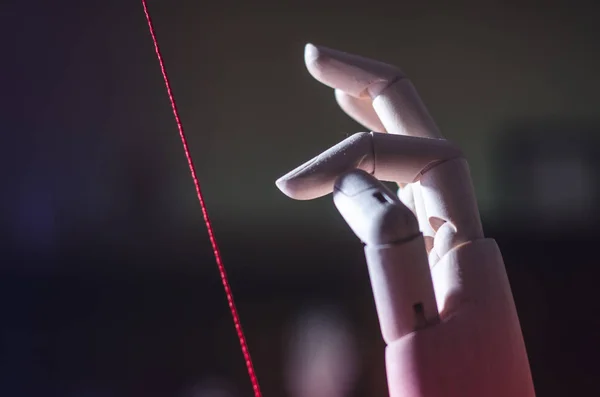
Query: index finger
[[395, 100]]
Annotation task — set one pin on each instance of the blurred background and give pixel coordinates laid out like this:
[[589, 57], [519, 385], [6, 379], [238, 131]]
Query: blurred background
[[108, 286]]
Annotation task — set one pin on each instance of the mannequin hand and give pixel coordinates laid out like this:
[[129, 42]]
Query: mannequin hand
[[443, 299]]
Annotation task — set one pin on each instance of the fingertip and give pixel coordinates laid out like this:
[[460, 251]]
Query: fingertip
[[357, 76], [281, 185], [360, 110], [299, 188], [340, 96], [348, 103], [289, 188], [316, 177], [371, 210], [316, 60], [311, 53]]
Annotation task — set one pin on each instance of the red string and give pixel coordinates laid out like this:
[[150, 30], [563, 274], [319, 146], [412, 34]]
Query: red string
[[211, 234]]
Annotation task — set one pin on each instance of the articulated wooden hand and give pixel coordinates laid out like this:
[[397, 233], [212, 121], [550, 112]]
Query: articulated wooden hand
[[444, 302]]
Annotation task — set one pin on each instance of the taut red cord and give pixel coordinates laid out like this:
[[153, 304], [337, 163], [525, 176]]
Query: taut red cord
[[211, 234]]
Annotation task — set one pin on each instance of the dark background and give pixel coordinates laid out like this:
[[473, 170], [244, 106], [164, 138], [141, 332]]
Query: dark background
[[108, 286]]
